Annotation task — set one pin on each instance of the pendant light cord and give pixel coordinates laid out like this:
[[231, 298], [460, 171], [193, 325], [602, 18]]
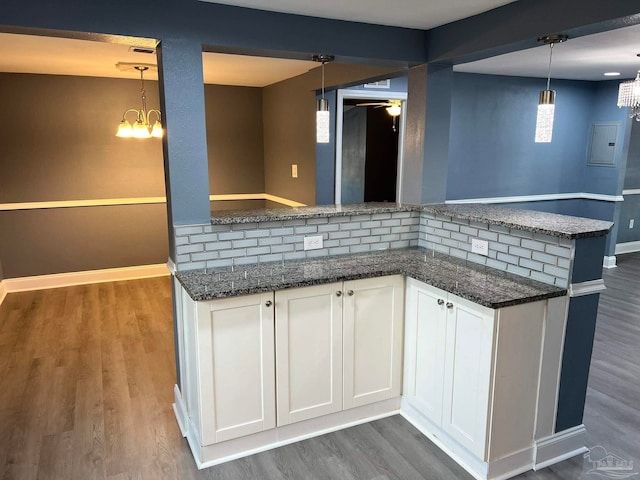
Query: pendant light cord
[[549, 71], [322, 79]]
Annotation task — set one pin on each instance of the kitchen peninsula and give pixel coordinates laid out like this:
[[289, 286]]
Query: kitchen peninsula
[[462, 318]]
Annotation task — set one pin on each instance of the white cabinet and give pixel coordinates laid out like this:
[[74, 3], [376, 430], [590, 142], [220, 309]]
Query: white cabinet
[[308, 352], [235, 365], [472, 372], [338, 346], [373, 336]]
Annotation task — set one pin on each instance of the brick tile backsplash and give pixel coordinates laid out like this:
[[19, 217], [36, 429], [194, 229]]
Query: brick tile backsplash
[[541, 257], [537, 256]]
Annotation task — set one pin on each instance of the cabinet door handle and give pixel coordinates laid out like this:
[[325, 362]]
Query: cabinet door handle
[[338, 293], [268, 303], [350, 293], [440, 301], [449, 305]]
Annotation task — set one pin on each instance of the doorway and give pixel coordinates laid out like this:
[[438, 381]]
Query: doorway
[[369, 146]]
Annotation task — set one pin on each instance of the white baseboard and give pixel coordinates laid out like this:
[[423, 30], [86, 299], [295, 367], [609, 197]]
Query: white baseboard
[[541, 198], [587, 288], [56, 280], [609, 262], [3, 290], [627, 247], [180, 411], [560, 446]]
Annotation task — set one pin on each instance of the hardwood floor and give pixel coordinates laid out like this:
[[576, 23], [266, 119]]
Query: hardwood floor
[[86, 386]]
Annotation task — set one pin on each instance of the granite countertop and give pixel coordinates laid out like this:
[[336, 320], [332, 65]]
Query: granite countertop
[[483, 285], [291, 213], [552, 224]]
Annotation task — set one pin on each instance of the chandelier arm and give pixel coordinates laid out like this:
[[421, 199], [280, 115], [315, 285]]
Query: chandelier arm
[[124, 115], [157, 112]]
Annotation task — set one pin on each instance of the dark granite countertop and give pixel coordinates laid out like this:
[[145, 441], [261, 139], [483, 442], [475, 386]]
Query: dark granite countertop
[[291, 213], [552, 224], [530, 220], [483, 285]]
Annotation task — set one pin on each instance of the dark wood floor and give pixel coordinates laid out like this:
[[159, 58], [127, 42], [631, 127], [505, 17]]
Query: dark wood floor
[[87, 372]]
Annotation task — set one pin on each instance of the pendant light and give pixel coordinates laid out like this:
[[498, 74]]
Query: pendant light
[[322, 109], [547, 99], [629, 96], [142, 127]]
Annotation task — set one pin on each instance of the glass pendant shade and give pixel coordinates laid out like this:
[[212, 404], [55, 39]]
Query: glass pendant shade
[[157, 130], [125, 130], [322, 121], [544, 118], [140, 130]]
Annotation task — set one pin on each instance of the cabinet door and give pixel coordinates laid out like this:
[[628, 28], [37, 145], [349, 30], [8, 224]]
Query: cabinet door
[[308, 352], [467, 373], [372, 343], [235, 367], [425, 335]]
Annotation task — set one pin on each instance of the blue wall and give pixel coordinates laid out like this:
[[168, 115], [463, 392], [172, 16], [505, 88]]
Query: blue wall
[[492, 152], [630, 208]]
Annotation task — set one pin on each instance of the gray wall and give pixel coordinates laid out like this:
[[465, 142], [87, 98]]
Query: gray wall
[[70, 152], [234, 139]]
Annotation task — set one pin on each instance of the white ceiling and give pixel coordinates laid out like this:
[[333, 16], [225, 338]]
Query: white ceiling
[[64, 56], [421, 14], [582, 58]]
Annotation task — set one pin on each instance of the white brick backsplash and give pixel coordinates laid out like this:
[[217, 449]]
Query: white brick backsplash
[[244, 226], [230, 236], [561, 252], [182, 231], [250, 242], [537, 256], [520, 252], [508, 239]]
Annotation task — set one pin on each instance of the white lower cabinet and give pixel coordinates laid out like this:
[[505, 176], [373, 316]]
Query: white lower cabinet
[[251, 363], [472, 372], [338, 346], [373, 322], [235, 365], [308, 352]]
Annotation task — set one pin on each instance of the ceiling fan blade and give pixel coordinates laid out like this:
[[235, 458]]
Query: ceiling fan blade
[[373, 104]]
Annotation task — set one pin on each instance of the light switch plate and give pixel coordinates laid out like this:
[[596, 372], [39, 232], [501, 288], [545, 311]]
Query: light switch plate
[[313, 243], [481, 247], [294, 170], [631, 222]]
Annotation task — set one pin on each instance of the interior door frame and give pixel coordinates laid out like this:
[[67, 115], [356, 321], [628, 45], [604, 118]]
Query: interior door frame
[[367, 95]]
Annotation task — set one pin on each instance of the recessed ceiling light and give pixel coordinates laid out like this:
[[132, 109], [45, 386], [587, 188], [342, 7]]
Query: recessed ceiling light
[[611, 74]]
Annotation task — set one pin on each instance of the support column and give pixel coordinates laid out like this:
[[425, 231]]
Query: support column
[[426, 156], [185, 141]]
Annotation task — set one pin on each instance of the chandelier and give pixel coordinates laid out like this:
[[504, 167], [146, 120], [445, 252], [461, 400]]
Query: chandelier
[[141, 128], [629, 96]]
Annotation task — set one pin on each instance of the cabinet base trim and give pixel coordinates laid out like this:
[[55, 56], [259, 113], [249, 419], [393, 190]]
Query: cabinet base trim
[[560, 446], [501, 469], [211, 455], [180, 411]]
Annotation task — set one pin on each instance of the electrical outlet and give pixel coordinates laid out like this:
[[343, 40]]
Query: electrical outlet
[[313, 243], [294, 170], [631, 222], [481, 247]]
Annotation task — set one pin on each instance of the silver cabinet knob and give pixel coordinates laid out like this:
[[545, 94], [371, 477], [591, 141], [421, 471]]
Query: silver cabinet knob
[[449, 305], [440, 301], [350, 293], [268, 303], [338, 293]]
